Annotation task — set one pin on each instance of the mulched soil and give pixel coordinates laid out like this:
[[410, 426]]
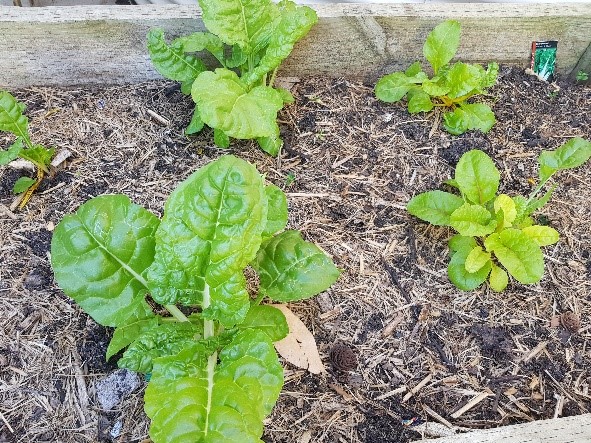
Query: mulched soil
[[349, 166]]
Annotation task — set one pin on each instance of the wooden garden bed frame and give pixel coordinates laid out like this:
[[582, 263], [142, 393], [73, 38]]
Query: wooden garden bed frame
[[81, 45]]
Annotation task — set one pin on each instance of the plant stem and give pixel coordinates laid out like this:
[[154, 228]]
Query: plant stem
[[259, 299], [176, 313], [207, 324], [536, 190], [273, 76]]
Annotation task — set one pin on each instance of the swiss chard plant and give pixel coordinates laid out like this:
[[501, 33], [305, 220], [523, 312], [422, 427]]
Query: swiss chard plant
[[214, 371], [248, 41], [451, 86], [496, 233], [14, 121]]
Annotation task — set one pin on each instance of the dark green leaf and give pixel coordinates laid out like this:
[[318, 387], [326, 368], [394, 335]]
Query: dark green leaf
[[126, 334], [434, 207], [22, 184], [267, 319]]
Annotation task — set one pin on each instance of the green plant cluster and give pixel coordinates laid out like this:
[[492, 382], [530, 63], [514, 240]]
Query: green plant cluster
[[214, 372], [451, 86], [495, 231], [252, 38]]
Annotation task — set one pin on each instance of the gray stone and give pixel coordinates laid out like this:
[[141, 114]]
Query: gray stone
[[113, 388]]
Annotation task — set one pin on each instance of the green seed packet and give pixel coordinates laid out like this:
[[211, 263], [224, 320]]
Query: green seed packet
[[543, 59]]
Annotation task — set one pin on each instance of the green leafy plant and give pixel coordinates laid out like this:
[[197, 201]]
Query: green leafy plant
[[495, 231], [582, 76], [451, 86], [214, 372], [248, 40], [14, 121]]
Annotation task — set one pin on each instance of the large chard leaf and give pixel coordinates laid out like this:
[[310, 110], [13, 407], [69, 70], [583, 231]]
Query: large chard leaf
[[434, 206], [226, 103], [11, 116], [246, 23], [200, 41], [124, 335], [462, 79], [193, 398], [293, 269], [477, 177], [171, 60], [211, 229], [295, 23], [442, 43], [277, 211], [99, 255], [267, 319], [573, 153]]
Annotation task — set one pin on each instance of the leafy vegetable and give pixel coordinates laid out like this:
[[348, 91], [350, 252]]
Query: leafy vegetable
[[451, 86], [214, 374], [14, 121], [252, 37], [496, 235]]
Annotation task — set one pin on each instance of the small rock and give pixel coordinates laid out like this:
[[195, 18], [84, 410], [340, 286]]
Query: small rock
[[115, 387], [117, 428]]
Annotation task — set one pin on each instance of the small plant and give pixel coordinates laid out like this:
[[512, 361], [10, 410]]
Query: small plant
[[451, 86], [249, 40], [14, 121], [495, 230], [582, 76], [214, 372]]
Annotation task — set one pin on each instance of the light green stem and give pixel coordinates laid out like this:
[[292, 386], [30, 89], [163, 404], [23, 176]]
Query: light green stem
[[273, 76], [176, 313], [207, 324]]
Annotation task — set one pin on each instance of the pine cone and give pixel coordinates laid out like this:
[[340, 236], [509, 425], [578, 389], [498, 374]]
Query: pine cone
[[570, 321], [343, 358]]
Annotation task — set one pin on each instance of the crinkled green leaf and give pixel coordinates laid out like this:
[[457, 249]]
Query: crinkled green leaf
[[573, 153], [267, 319], [462, 79], [518, 253], [393, 87], [542, 235], [39, 155], [12, 152], [22, 184], [126, 334], [99, 255], [295, 23], [472, 220], [171, 60], [160, 341], [226, 103], [237, 58], [477, 176], [292, 269], [200, 41], [435, 88], [193, 398], [12, 118], [221, 139], [196, 124], [211, 229], [464, 280], [456, 122], [476, 259], [419, 102], [277, 211], [442, 43], [246, 23], [434, 207], [498, 279]]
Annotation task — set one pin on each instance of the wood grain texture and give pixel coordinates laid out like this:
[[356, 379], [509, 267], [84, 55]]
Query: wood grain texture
[[106, 44], [560, 430]]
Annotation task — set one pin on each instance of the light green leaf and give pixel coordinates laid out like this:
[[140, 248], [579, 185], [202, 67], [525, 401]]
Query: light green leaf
[[39, 155], [196, 124], [452, 182], [413, 69], [464, 280], [462, 79], [479, 116], [442, 43], [419, 102], [221, 139], [237, 58], [211, 229], [542, 235], [267, 319], [519, 254], [472, 221], [573, 153], [285, 95], [11, 116], [295, 23], [159, 341], [12, 152], [456, 122], [434, 207], [226, 103], [392, 87], [498, 279], [22, 184], [476, 259], [459, 243], [271, 145], [277, 211], [490, 76], [292, 269], [193, 398], [435, 88], [200, 41], [506, 204], [126, 334], [171, 61], [477, 176], [99, 255]]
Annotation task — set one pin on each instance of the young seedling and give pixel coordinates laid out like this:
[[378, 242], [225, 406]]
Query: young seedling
[[450, 87], [582, 76], [495, 231], [14, 121], [248, 41], [214, 372]]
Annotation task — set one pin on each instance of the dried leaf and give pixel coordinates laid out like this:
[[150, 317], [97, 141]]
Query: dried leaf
[[299, 347]]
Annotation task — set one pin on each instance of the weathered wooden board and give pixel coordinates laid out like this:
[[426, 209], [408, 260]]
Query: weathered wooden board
[[106, 44], [560, 430]]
